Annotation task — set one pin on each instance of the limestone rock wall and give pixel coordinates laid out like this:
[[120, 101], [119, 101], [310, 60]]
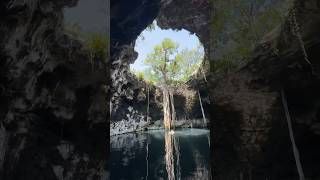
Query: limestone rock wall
[[250, 132], [53, 105]]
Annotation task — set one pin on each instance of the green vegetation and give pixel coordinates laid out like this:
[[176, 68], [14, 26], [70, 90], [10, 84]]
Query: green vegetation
[[170, 67], [151, 26], [237, 26], [97, 43]]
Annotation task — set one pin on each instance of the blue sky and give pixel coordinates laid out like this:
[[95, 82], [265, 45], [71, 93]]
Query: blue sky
[[155, 37]]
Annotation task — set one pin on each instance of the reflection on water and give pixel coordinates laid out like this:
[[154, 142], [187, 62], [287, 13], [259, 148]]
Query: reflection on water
[[161, 154], [172, 153]]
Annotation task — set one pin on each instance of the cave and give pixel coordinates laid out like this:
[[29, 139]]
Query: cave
[[249, 132], [129, 99], [124, 55], [55, 110], [149, 12], [133, 104]]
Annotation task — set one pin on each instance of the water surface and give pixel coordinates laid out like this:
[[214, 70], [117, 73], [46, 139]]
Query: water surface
[[160, 154]]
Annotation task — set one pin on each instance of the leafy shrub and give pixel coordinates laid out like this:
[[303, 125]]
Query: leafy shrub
[[237, 26], [140, 75], [98, 44]]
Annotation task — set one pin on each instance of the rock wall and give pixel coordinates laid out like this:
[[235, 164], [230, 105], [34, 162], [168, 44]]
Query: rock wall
[[250, 133], [53, 105], [128, 20], [193, 16], [249, 129]]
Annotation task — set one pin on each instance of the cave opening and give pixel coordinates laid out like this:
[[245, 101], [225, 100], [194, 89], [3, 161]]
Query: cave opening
[[185, 55], [166, 68], [171, 61]]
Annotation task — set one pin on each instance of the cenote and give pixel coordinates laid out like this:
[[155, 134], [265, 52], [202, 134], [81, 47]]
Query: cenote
[[161, 154], [159, 125]]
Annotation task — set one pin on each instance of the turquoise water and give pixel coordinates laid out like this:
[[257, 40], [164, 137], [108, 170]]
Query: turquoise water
[[142, 155]]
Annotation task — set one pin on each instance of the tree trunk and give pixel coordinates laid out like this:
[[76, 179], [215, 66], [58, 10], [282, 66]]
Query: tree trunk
[[166, 109]]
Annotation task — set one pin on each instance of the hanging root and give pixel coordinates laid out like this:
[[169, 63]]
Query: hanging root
[[294, 146], [148, 106], [202, 110]]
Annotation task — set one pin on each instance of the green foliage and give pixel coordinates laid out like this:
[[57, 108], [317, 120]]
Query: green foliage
[[140, 75], [160, 60], [237, 26], [98, 44], [150, 77], [168, 66], [151, 27]]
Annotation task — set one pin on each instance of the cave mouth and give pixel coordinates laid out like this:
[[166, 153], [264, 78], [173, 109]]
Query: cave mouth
[[146, 107], [179, 51]]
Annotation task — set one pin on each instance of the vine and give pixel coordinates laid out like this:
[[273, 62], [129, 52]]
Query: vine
[[296, 31]]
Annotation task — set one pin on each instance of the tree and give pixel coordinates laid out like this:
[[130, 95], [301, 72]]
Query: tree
[[165, 67], [161, 62], [150, 76], [170, 67], [190, 62]]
